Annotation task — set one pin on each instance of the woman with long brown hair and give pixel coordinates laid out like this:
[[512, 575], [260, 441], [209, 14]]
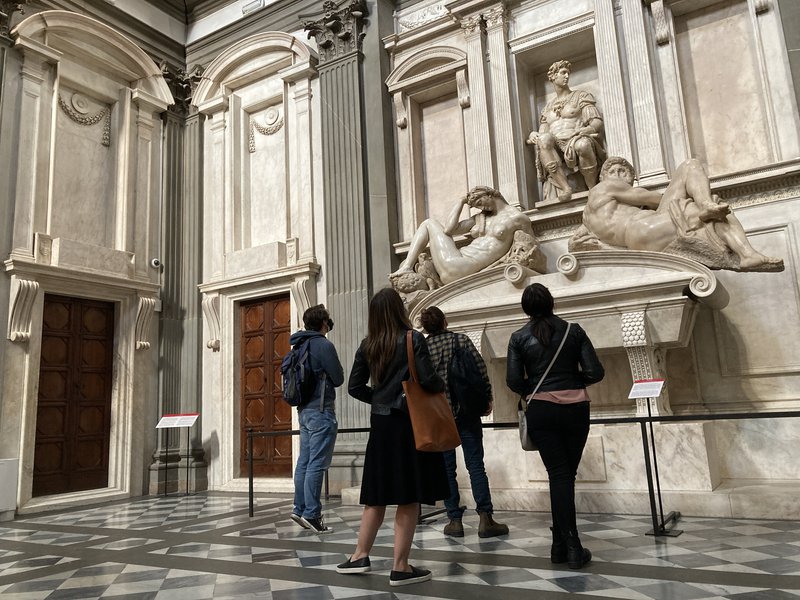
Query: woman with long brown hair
[[395, 473]]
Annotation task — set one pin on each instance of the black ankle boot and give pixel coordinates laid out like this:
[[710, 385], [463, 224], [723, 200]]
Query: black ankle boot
[[577, 555], [558, 551]]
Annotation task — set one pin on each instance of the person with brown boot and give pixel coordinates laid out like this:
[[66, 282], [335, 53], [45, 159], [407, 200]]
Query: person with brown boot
[[469, 405], [556, 407]]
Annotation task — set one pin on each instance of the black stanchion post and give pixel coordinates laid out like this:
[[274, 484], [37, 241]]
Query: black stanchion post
[[250, 468], [166, 465], [673, 516], [188, 457], [649, 473]]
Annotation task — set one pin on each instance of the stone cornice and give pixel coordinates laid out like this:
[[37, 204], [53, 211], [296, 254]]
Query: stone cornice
[[47, 273], [285, 274]]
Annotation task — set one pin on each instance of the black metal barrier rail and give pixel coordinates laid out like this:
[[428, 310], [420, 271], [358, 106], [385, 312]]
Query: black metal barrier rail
[[660, 522]]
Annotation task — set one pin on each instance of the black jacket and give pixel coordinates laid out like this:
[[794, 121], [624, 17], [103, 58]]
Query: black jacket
[[576, 367], [389, 394]]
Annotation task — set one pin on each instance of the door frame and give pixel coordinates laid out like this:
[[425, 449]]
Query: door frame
[[222, 364], [129, 390]]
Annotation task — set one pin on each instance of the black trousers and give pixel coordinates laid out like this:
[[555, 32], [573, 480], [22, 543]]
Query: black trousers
[[560, 431]]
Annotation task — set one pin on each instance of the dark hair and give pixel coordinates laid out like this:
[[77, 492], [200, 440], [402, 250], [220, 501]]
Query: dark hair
[[432, 319], [315, 317], [386, 320], [537, 302]]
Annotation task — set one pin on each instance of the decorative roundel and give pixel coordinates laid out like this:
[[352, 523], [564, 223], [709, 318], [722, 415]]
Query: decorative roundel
[[80, 103], [271, 116]]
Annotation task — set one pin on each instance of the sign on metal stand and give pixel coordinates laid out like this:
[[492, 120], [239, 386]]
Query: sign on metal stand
[[168, 422], [649, 390]]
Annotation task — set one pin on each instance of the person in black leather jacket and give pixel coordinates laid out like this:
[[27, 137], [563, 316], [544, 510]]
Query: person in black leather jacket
[[394, 471], [558, 414]]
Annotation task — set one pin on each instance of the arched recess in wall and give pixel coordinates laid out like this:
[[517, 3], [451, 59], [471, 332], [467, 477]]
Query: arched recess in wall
[[258, 98], [262, 186], [87, 200], [431, 92]]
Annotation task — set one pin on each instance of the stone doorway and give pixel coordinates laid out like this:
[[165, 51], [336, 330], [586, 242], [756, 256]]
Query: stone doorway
[[265, 326], [73, 414]]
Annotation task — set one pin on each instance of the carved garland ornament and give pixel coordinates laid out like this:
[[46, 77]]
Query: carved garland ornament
[[274, 124], [78, 114]]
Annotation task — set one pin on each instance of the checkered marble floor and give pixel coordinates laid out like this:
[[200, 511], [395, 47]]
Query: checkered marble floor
[[205, 546]]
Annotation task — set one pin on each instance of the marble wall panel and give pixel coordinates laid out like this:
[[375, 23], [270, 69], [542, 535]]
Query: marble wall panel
[[758, 449], [267, 194], [723, 98], [83, 177], [443, 156], [534, 17]]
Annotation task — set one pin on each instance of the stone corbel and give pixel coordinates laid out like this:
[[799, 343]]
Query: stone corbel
[[646, 362], [660, 18], [211, 313], [303, 294], [463, 89], [144, 315], [23, 294], [400, 109]]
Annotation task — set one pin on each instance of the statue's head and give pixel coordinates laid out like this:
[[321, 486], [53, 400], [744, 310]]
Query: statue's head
[[483, 198], [556, 67], [613, 167]]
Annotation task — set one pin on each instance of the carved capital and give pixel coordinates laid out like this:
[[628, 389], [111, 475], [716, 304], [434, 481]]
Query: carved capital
[[23, 295], [7, 10], [340, 29], [472, 25], [211, 313], [496, 17], [762, 6], [144, 315], [182, 84]]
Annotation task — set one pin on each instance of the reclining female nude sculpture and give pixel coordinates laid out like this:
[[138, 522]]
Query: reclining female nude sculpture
[[687, 219], [493, 232]]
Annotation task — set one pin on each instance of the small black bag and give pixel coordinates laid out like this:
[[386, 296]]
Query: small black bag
[[470, 394]]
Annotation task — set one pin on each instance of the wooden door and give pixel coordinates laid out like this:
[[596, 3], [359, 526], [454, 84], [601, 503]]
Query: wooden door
[[265, 326], [73, 414]]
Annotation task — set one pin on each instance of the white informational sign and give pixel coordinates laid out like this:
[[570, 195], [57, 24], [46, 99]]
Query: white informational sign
[[646, 388], [170, 421]]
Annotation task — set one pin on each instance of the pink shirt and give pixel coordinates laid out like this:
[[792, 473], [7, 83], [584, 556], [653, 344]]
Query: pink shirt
[[563, 396]]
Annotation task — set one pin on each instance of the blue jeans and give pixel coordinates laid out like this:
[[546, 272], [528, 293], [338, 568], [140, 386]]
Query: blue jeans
[[472, 444], [317, 438]]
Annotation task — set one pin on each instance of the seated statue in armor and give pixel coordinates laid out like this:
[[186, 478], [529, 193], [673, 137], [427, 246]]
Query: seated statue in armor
[[492, 232], [687, 220], [570, 131]]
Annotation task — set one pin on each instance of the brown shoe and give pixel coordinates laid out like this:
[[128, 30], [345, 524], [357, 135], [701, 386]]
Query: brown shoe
[[489, 528], [454, 528]]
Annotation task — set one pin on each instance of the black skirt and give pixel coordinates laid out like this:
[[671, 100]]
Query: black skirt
[[394, 471]]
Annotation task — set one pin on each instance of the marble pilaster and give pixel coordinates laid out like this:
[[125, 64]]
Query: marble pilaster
[[180, 339], [502, 107], [476, 116], [647, 132], [615, 113], [347, 278]]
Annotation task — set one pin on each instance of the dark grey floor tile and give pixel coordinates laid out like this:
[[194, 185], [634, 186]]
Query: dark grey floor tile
[[77, 593], [148, 575], [304, 593]]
